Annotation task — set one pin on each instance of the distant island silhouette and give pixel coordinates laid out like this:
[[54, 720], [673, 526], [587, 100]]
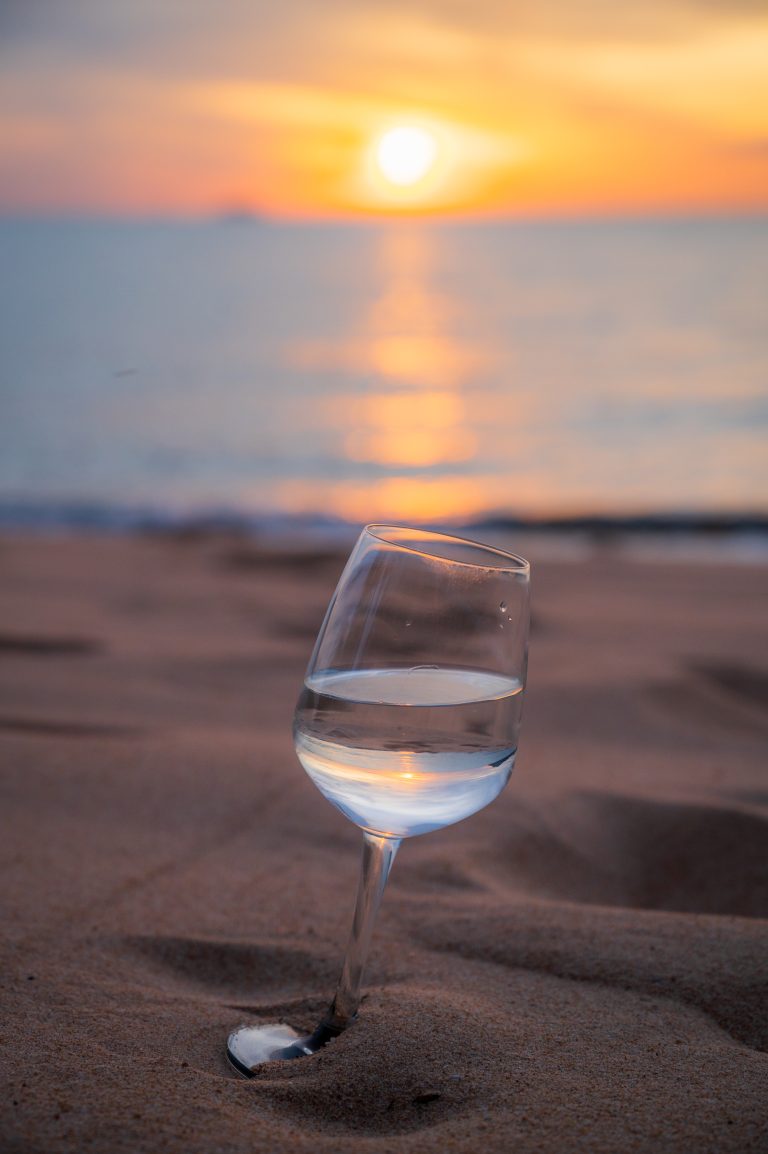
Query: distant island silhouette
[[239, 214]]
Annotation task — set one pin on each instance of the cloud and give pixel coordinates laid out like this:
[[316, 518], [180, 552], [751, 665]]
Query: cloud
[[595, 20], [245, 36], [152, 100]]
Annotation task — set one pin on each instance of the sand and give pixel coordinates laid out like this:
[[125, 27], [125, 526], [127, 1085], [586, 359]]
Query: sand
[[581, 967]]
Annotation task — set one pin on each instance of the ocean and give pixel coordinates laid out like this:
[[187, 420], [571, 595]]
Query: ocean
[[329, 373]]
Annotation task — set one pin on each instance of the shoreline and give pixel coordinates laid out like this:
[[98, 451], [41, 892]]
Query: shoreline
[[707, 538]]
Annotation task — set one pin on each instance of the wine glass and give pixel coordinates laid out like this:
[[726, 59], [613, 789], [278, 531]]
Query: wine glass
[[408, 719]]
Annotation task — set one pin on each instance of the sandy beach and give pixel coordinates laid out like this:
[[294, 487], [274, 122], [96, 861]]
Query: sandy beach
[[580, 967]]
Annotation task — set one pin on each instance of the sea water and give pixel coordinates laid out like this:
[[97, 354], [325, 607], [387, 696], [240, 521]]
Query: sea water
[[393, 371]]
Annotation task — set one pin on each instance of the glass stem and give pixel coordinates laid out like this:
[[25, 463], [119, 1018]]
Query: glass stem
[[378, 855]]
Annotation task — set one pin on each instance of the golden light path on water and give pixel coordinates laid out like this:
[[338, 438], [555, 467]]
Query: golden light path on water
[[415, 413]]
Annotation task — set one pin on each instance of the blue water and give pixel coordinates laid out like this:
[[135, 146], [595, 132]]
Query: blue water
[[402, 371]]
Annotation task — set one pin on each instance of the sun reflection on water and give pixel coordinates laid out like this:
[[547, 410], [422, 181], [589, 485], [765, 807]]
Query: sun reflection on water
[[411, 416]]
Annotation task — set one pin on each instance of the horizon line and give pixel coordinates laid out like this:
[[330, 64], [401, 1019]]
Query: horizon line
[[244, 215]]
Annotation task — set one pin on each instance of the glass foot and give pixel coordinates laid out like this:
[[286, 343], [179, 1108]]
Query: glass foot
[[251, 1046]]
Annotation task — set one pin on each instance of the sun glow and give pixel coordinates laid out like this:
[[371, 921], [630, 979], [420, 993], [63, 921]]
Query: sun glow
[[405, 155]]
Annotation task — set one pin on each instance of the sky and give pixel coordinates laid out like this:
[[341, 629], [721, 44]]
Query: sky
[[544, 108]]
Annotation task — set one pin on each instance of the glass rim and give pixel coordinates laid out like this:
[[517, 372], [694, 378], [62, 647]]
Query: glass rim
[[509, 562]]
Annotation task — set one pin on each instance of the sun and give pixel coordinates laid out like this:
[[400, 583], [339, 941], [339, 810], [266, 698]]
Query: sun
[[405, 155]]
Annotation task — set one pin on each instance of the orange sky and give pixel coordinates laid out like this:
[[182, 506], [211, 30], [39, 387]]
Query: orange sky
[[561, 107]]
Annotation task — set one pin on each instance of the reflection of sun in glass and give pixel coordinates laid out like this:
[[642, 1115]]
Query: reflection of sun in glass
[[405, 155]]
